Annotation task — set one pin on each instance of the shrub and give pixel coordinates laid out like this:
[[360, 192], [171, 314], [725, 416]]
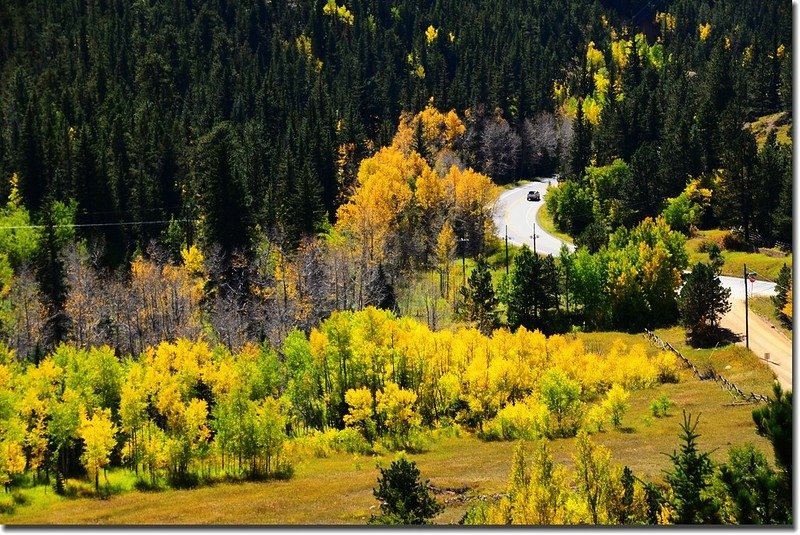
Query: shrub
[[350, 440], [525, 420], [616, 403], [561, 395], [6, 506], [706, 246], [416, 441], [660, 406], [146, 485], [734, 241], [596, 418], [667, 365]]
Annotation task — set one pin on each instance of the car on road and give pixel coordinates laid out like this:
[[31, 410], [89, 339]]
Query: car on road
[[534, 196]]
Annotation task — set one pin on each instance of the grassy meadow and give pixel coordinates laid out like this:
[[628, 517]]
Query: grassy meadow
[[766, 262]]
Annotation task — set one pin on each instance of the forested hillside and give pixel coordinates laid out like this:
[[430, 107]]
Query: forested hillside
[[115, 104], [223, 136]]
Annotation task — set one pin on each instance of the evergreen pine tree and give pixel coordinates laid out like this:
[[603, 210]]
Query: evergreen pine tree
[[703, 300], [690, 478], [479, 297], [51, 274], [404, 498]]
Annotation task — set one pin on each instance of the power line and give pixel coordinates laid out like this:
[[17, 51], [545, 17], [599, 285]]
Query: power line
[[118, 224]]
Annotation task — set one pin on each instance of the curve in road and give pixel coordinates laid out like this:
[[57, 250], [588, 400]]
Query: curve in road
[[514, 212]]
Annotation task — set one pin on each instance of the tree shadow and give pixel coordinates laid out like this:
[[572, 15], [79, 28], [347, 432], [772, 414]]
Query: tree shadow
[[713, 337]]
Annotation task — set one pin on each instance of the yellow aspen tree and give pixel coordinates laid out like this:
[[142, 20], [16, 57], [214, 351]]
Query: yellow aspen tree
[[787, 308], [360, 416], [98, 434], [396, 406]]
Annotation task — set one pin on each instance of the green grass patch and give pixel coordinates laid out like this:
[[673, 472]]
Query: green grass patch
[[764, 307], [545, 220], [767, 262]]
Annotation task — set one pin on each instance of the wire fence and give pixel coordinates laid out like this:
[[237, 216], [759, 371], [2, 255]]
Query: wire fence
[[730, 387]]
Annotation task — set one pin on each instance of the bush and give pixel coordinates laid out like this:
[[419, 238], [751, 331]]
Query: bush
[[145, 485], [616, 403], [525, 420], [667, 365], [706, 246], [660, 406], [561, 395], [446, 428], [6, 506], [19, 498], [734, 241], [680, 214], [596, 418], [184, 480], [350, 441], [415, 442]]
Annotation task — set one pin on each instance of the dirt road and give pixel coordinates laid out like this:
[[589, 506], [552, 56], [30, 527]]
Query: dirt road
[[764, 338]]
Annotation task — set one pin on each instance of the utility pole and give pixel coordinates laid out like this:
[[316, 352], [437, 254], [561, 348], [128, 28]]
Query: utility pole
[[534, 237], [506, 249], [746, 310], [751, 275]]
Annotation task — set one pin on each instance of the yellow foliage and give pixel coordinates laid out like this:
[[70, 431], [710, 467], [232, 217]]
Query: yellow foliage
[[359, 402], [592, 110], [193, 261], [430, 190], [453, 128], [698, 194], [339, 12], [472, 191], [431, 34], [669, 20], [594, 57], [303, 43], [99, 438], [620, 51], [396, 405], [787, 308], [704, 30], [439, 130], [601, 84], [382, 194], [14, 197], [559, 91], [12, 460]]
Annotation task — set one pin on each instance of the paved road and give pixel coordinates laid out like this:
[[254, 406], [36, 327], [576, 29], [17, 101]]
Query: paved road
[[514, 211], [764, 338], [519, 214]]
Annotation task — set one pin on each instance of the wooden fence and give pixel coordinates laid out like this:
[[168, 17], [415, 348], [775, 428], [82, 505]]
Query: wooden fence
[[732, 389]]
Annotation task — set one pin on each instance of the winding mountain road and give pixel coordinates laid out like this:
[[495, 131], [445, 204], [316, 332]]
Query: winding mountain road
[[514, 212]]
